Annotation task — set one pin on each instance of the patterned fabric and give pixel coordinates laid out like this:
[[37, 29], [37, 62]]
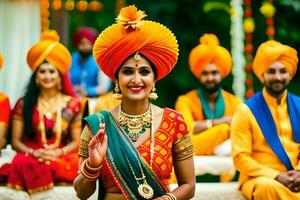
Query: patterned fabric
[[26, 172], [171, 143]]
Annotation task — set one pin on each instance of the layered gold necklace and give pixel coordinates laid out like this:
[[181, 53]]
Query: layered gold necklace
[[47, 107], [135, 125]]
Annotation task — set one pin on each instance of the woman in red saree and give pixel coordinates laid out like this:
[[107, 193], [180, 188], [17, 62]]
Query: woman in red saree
[[132, 148], [46, 122], [4, 114]]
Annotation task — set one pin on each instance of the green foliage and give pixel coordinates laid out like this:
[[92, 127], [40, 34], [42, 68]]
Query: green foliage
[[189, 19]]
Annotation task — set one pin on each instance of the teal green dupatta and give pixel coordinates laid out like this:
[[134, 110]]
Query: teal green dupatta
[[123, 158]]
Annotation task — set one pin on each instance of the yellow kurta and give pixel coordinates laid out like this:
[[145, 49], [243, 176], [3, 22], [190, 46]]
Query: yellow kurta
[[189, 105], [252, 156]]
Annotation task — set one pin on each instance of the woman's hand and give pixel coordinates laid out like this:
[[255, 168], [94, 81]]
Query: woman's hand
[[98, 147]]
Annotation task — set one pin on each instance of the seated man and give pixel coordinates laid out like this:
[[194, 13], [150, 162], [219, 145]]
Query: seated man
[[208, 109], [265, 131], [87, 78]]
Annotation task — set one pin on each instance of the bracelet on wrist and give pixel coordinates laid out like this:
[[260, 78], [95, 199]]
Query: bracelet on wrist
[[208, 123], [89, 172]]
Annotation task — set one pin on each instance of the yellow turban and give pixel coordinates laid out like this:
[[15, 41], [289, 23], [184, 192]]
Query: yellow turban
[[272, 51], [1, 61], [210, 51], [52, 51], [50, 34], [131, 34]]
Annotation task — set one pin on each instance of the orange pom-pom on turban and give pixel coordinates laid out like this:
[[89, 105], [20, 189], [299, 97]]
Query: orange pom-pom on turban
[[272, 51], [210, 51], [52, 51], [50, 34], [132, 34], [1, 61]]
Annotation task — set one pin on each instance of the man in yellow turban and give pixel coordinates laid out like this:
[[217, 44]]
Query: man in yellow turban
[[265, 129], [208, 109]]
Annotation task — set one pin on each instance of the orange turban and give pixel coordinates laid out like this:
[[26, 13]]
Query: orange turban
[[1, 61], [52, 51], [131, 34], [50, 34], [272, 51], [210, 51]]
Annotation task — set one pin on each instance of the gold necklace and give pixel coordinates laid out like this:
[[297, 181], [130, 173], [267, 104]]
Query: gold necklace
[[47, 107], [135, 125], [144, 189]]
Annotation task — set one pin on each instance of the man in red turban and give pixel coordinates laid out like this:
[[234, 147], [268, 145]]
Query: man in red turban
[[208, 109], [86, 77], [265, 129]]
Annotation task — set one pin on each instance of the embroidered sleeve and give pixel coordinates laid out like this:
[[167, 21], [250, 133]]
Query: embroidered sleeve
[[182, 147], [85, 139], [73, 113]]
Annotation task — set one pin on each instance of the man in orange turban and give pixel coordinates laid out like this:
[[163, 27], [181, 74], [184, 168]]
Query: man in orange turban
[[208, 109], [4, 114], [265, 129]]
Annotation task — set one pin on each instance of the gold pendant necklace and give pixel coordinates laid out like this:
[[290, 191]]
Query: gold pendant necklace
[[144, 189], [134, 125]]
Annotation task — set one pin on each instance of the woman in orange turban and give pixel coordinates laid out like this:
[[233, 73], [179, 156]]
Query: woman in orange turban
[[4, 114], [133, 147], [46, 122]]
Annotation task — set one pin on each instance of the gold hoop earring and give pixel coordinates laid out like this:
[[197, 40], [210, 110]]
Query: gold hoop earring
[[153, 95], [117, 93]]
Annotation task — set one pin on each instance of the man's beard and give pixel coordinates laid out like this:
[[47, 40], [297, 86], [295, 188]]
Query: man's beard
[[210, 90], [276, 91], [85, 55]]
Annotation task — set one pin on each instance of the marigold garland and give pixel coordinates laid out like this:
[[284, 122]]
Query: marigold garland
[[249, 27]]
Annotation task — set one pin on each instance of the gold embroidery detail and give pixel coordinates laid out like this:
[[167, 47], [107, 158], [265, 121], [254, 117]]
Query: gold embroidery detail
[[183, 149]]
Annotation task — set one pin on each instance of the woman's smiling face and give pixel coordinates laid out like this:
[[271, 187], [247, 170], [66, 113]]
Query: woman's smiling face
[[136, 78]]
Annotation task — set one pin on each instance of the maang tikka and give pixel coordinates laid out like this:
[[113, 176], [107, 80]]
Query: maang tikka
[[117, 93], [153, 95]]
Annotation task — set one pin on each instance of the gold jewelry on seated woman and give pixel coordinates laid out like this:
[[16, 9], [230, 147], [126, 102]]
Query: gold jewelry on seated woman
[[135, 125]]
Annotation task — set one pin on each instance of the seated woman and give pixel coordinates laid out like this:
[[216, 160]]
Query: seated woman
[[132, 148], [4, 114], [46, 122]]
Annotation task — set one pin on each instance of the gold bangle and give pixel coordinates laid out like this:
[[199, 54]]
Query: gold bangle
[[88, 175], [173, 197], [94, 169], [208, 123]]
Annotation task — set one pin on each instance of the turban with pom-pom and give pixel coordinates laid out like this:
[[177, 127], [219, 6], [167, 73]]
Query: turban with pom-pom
[[51, 50], [130, 35], [209, 51]]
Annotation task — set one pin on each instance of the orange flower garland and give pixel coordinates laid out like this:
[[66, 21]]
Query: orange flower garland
[[249, 27]]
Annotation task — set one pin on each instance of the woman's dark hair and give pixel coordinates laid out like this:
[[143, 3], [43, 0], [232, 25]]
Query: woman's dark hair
[[29, 101], [151, 64]]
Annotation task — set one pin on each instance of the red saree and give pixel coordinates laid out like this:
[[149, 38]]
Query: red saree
[[168, 137], [25, 171]]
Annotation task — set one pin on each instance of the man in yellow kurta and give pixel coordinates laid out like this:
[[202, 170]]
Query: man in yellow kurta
[[208, 109], [265, 130]]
